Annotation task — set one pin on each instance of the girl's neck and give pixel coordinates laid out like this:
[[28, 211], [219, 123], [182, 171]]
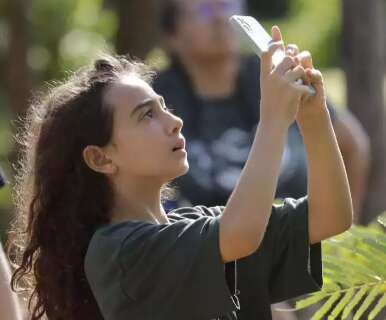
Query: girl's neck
[[140, 201]]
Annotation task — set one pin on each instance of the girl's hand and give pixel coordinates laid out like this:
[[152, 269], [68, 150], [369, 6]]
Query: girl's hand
[[280, 96], [310, 106]]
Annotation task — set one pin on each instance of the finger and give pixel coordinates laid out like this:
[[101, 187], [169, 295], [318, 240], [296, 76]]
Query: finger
[[286, 64], [276, 34], [306, 79], [295, 74], [304, 89], [305, 59], [292, 50], [314, 76], [266, 57]]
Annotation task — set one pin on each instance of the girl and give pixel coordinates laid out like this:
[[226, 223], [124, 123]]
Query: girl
[[99, 152]]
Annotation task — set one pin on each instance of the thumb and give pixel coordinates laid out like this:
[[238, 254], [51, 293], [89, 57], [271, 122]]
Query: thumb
[[266, 57], [276, 44], [276, 34]]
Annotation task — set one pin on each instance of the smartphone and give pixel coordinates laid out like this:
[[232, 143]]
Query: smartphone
[[253, 33]]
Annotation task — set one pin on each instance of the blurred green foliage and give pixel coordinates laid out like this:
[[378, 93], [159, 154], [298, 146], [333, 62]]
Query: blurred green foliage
[[313, 26], [67, 33]]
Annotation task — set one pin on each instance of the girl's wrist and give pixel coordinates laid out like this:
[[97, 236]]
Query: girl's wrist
[[315, 121], [273, 127]]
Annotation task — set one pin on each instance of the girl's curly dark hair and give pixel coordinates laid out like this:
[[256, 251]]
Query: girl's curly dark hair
[[60, 201]]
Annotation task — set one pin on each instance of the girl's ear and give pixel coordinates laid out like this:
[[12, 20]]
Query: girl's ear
[[97, 160]]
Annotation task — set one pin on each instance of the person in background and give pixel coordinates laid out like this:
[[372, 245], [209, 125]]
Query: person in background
[[9, 307], [208, 80]]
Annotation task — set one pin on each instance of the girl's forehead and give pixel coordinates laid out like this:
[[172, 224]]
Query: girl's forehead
[[128, 91]]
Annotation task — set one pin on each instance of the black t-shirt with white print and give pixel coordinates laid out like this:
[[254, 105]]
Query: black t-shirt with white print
[[143, 271]]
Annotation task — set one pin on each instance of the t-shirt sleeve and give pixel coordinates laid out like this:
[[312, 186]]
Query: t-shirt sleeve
[[175, 269], [296, 266]]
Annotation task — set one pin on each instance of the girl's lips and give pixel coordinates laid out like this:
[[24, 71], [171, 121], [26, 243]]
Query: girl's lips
[[180, 151], [179, 145]]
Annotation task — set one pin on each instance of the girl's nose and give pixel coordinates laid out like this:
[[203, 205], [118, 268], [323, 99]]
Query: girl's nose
[[175, 125]]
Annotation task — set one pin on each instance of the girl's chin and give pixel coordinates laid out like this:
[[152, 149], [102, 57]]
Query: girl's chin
[[182, 170]]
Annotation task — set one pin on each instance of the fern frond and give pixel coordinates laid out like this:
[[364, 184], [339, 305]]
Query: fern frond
[[326, 307], [350, 268], [342, 303], [354, 275], [377, 263], [367, 302], [357, 298], [378, 307], [305, 303], [376, 244]]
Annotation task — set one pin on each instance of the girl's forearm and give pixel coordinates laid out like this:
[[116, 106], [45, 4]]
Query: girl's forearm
[[248, 209], [330, 206]]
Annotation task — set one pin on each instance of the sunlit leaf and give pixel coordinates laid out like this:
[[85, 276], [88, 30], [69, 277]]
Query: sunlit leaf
[[310, 300], [357, 298], [378, 307], [367, 302], [342, 303], [326, 307]]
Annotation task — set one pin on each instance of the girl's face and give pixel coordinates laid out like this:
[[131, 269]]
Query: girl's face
[[146, 140]]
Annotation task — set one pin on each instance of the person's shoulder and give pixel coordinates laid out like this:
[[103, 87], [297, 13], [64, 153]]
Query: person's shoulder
[[116, 233], [107, 239], [119, 231]]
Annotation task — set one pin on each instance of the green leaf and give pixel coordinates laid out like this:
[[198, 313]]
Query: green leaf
[[335, 277], [376, 262], [358, 296], [367, 302], [351, 268], [378, 307], [327, 306], [331, 287], [375, 244], [305, 303], [354, 274], [358, 233], [342, 303]]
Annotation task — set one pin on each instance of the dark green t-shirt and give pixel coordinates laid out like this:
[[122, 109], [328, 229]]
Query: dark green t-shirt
[[143, 271]]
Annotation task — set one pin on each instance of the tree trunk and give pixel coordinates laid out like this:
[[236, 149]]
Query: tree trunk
[[18, 84], [363, 46], [137, 32]]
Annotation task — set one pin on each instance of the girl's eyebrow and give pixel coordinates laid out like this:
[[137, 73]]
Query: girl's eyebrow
[[147, 102], [142, 104]]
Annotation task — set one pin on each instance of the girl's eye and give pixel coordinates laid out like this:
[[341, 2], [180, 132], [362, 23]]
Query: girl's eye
[[148, 114]]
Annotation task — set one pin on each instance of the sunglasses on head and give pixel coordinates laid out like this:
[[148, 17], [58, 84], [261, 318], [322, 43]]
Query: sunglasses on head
[[207, 11]]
